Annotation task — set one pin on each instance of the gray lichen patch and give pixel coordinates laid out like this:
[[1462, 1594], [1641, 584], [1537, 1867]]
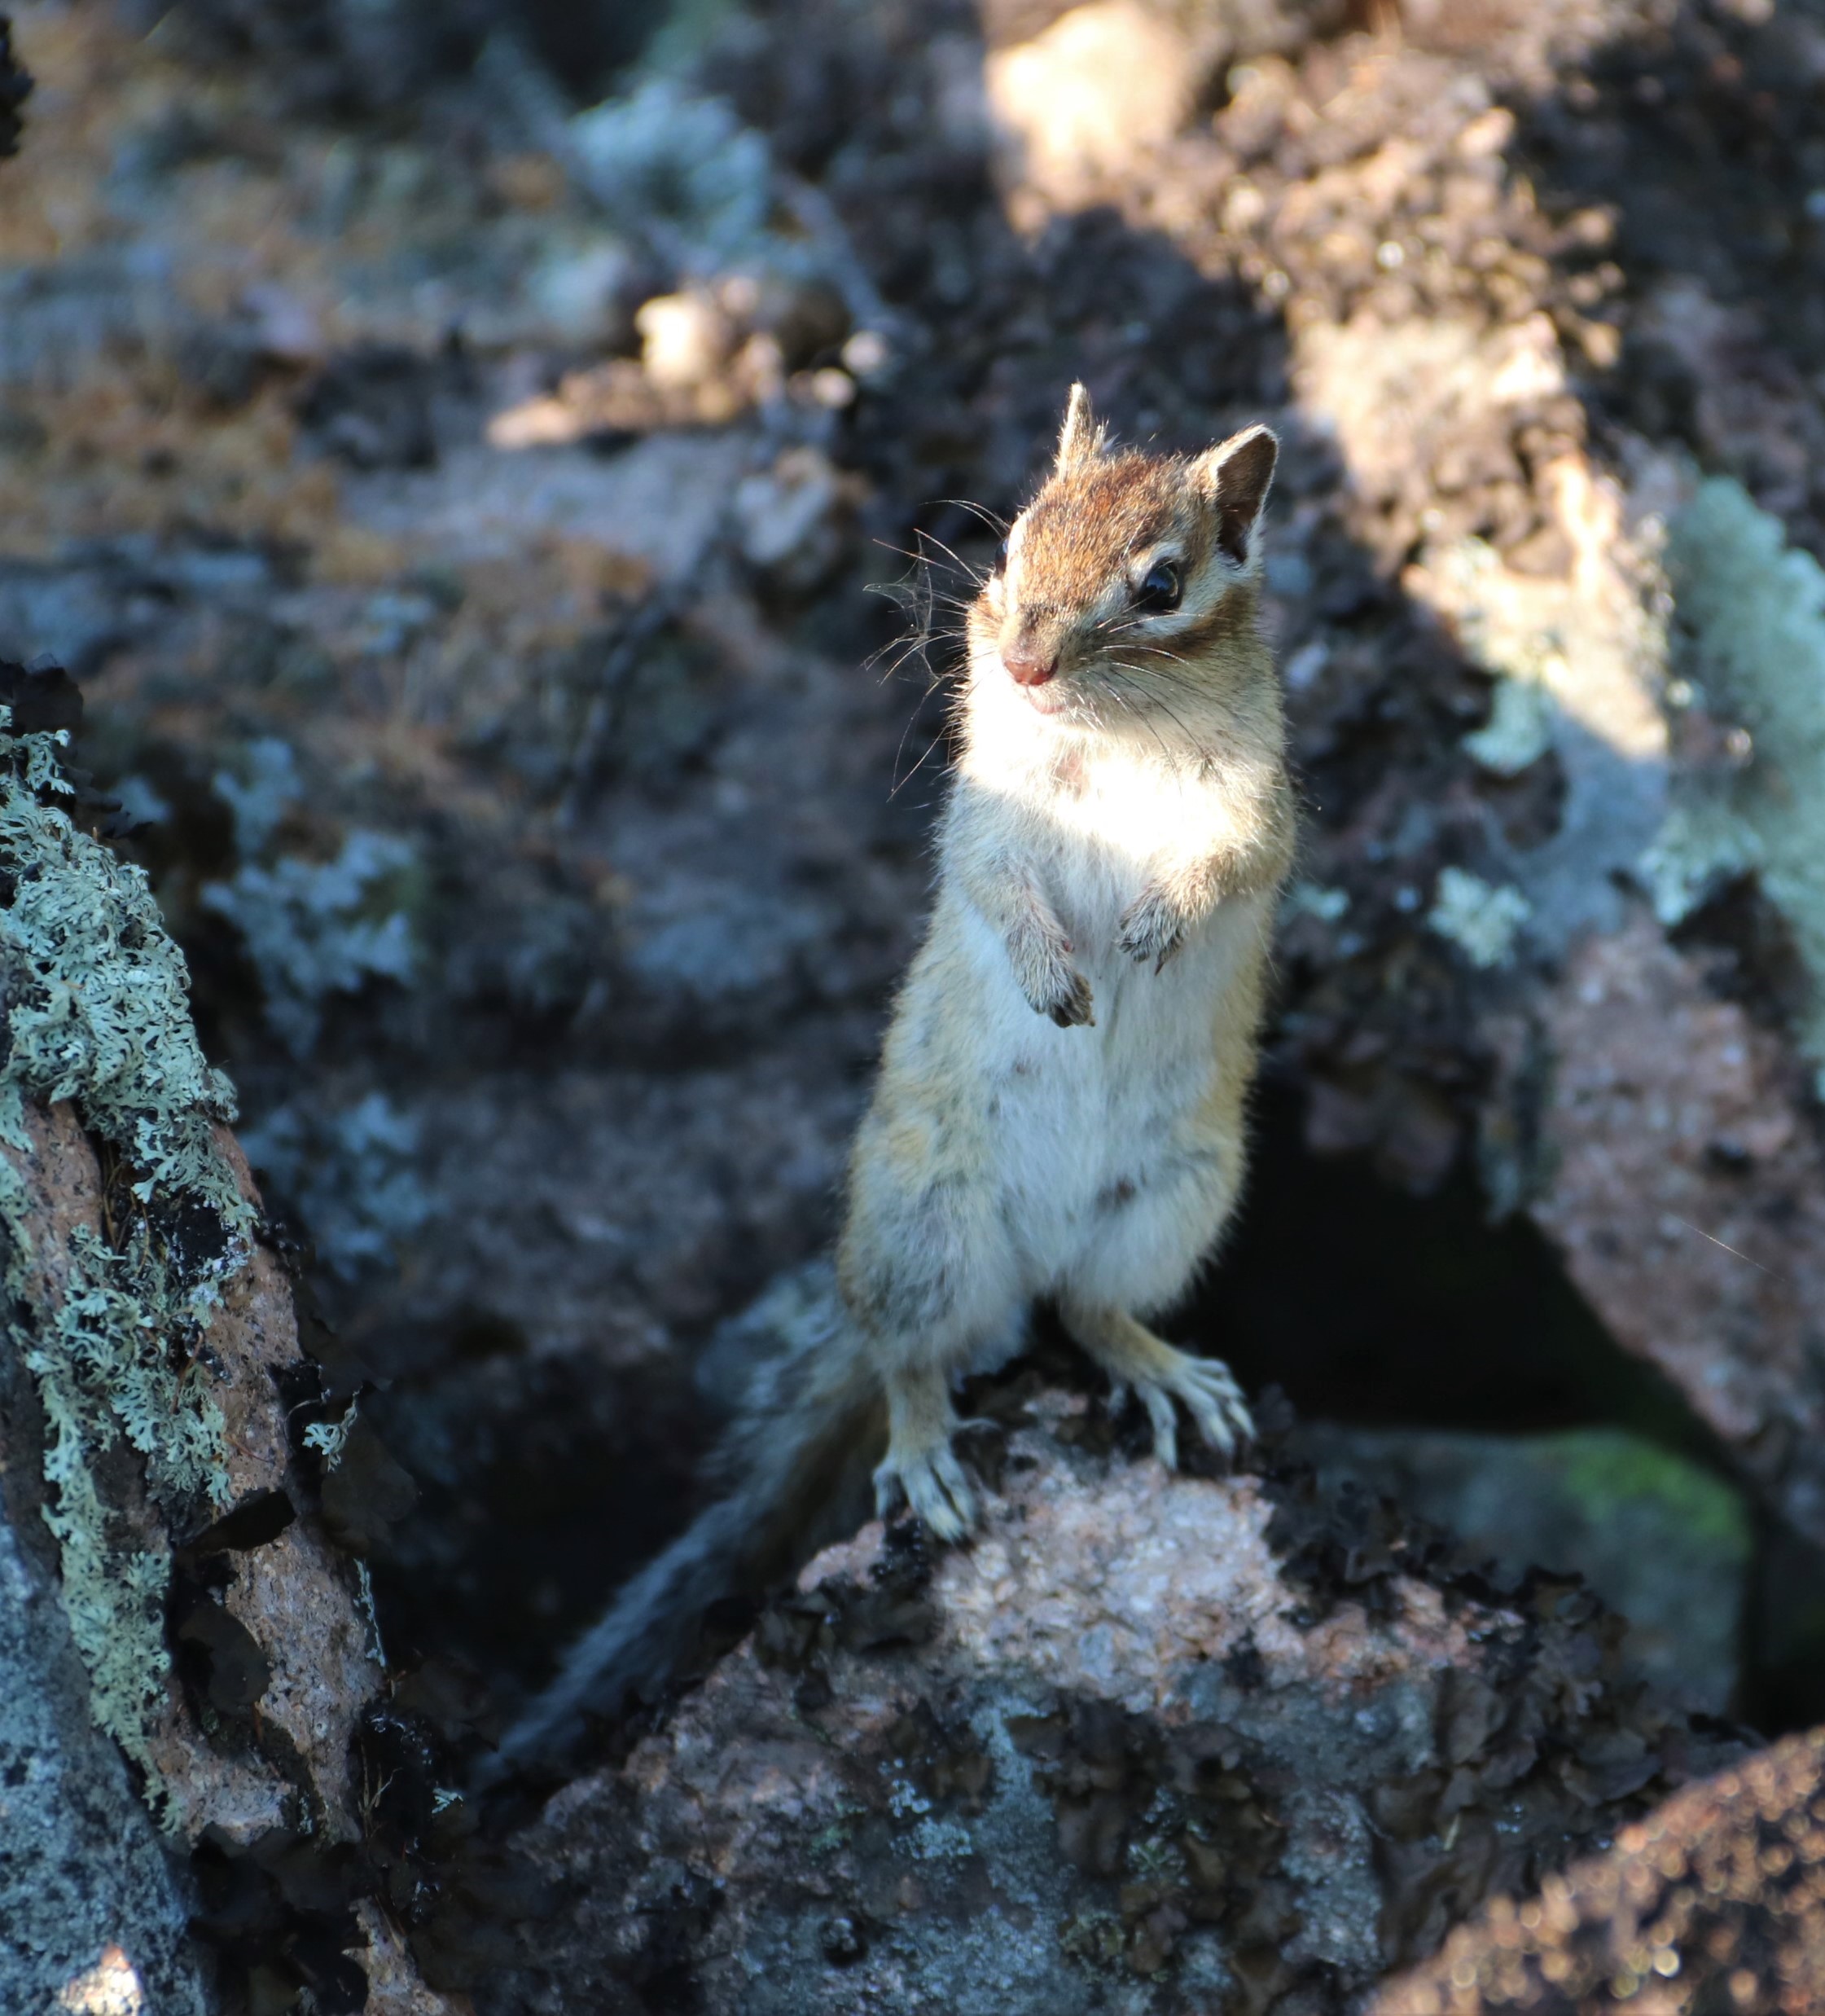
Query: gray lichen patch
[[312, 928], [98, 994], [103, 1361], [112, 1326], [1752, 628]]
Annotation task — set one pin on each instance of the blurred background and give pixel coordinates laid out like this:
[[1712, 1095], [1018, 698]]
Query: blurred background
[[500, 475]]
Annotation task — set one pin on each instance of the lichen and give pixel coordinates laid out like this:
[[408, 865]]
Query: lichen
[[1310, 899], [97, 1014], [1519, 731], [98, 994], [101, 1362], [1699, 848], [685, 164], [1483, 919], [351, 1172], [312, 928], [1751, 631]]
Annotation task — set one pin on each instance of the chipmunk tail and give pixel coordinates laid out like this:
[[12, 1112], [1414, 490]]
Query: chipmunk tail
[[811, 1418]]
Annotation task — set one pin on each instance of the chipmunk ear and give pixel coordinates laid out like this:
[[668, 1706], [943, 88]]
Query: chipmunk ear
[[1081, 440], [1233, 477]]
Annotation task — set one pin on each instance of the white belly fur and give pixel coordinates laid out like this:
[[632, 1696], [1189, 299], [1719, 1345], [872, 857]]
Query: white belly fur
[[1076, 1113]]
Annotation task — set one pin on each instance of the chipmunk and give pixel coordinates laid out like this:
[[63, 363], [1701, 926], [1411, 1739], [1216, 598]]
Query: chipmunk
[[1060, 1109]]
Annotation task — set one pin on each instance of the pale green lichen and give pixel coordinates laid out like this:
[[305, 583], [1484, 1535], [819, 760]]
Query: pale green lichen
[[1483, 919], [1519, 731], [1751, 632], [685, 164], [99, 1008], [103, 1361], [1310, 899], [328, 1438], [352, 1171], [312, 928], [1700, 849], [97, 1013]]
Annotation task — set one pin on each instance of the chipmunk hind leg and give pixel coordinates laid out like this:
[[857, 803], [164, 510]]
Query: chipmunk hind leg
[[930, 1275], [1161, 1373], [921, 1466]]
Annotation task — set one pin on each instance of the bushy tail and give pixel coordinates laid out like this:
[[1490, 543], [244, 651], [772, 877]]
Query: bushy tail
[[786, 1459]]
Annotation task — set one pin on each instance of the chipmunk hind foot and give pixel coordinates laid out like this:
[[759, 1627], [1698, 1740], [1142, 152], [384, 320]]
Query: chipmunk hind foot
[[921, 1467], [1160, 1374]]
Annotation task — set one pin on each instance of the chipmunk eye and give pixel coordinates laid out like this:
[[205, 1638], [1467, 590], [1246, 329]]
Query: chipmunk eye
[[1000, 566], [1160, 589]]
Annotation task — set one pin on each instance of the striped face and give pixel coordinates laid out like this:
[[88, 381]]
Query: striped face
[[1124, 581]]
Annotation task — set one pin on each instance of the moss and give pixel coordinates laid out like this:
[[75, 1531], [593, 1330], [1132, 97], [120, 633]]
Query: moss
[[1750, 629], [1606, 1471], [97, 1013]]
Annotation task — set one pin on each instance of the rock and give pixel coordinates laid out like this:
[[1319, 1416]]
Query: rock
[[1665, 1543], [1707, 1903], [150, 1374], [16, 87], [1084, 98], [1488, 278], [792, 520], [88, 1893], [1686, 1189], [329, 55], [1161, 1738], [685, 340]]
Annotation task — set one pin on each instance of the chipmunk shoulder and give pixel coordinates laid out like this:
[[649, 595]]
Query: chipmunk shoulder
[[1060, 1110]]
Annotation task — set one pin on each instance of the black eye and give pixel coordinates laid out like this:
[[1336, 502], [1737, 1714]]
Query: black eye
[[1160, 589], [1000, 566]]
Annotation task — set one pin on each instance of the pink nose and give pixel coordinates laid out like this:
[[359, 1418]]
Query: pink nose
[[1026, 667]]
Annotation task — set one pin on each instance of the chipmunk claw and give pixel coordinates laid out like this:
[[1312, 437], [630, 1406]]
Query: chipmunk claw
[[1149, 934], [1210, 1396], [1071, 1009], [1214, 1401], [932, 1486]]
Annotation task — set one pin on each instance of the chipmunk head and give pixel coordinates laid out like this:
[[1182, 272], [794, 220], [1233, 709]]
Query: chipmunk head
[[1126, 591]]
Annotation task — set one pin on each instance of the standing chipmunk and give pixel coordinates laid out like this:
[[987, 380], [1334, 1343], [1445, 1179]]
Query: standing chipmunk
[[1059, 1107]]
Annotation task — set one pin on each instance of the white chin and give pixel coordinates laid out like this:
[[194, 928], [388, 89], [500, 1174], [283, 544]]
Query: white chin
[[1042, 699]]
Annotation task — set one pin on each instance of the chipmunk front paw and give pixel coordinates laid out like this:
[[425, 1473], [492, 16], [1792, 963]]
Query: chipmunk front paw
[[1060, 990], [1149, 930], [1070, 1009]]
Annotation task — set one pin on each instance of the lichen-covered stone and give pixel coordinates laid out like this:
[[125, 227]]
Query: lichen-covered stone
[[82, 1866], [150, 1357]]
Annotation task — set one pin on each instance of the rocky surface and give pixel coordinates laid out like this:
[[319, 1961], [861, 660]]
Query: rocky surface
[[250, 1741], [453, 448], [1708, 1903], [193, 1665], [83, 1874], [1614, 1507], [1149, 1742], [495, 710]]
